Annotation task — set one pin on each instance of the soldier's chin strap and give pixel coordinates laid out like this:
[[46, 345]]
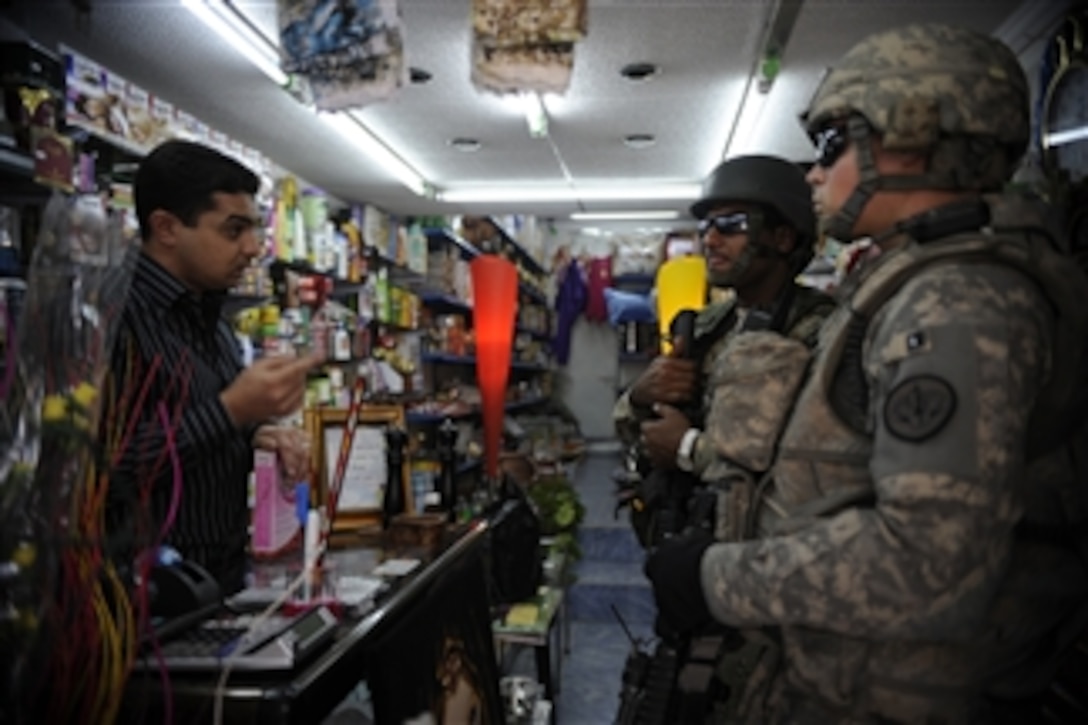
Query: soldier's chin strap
[[841, 224]]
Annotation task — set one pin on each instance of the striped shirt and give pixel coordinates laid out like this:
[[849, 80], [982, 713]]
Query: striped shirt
[[195, 356]]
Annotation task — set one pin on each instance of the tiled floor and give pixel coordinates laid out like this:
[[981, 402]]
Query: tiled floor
[[609, 575]]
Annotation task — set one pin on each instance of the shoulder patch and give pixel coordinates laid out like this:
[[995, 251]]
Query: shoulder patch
[[919, 407]]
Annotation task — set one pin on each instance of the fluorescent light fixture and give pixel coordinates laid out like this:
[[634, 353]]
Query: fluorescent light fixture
[[586, 216], [1070, 135], [620, 192], [224, 20], [352, 128], [743, 137], [535, 114]]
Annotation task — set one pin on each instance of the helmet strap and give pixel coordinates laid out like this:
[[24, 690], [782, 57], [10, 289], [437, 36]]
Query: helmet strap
[[841, 224]]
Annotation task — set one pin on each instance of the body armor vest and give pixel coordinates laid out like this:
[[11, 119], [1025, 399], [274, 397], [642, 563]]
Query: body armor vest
[[823, 467], [825, 449]]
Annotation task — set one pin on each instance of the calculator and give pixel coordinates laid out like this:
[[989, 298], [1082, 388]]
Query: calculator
[[246, 642]]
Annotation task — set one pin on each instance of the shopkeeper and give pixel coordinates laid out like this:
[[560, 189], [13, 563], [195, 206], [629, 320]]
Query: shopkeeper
[[180, 476]]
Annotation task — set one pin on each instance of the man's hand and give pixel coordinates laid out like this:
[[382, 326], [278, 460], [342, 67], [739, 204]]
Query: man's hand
[[292, 447], [667, 380], [675, 570], [661, 436], [269, 388]]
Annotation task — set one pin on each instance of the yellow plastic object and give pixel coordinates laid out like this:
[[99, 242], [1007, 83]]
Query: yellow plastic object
[[681, 285], [522, 615]]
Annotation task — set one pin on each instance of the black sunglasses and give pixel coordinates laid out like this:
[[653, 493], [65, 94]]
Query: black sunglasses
[[725, 224], [831, 143]]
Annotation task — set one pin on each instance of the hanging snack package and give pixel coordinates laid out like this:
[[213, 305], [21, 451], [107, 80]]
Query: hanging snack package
[[345, 53], [525, 45]]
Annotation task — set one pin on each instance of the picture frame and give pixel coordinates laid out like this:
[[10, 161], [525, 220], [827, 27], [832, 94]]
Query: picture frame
[[359, 505]]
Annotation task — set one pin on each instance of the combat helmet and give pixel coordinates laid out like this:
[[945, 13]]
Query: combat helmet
[[957, 95], [768, 181]]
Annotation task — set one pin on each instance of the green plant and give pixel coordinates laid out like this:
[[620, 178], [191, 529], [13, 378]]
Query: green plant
[[560, 512]]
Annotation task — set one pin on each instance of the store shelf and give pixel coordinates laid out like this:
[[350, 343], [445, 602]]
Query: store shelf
[[355, 359], [436, 235], [533, 293], [17, 183], [518, 365], [523, 255], [414, 418], [525, 404], [387, 326], [448, 237], [443, 358], [340, 285], [417, 418], [536, 335], [444, 303], [399, 275], [469, 466], [235, 302], [16, 162]]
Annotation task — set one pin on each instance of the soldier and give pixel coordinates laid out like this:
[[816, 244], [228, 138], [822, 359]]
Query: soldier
[[917, 539], [757, 230]]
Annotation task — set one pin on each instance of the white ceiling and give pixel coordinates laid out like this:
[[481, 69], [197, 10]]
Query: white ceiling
[[706, 51]]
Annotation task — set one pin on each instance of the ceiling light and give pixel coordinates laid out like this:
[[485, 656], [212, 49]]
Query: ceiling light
[[781, 19], [742, 139], [507, 193], [225, 21], [1059, 138], [579, 216], [535, 114], [467, 145], [639, 140], [352, 128], [638, 72]]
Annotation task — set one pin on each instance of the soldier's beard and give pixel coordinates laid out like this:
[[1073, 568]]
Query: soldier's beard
[[735, 273]]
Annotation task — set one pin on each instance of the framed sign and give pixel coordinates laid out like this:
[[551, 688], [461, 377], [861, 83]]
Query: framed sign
[[358, 503]]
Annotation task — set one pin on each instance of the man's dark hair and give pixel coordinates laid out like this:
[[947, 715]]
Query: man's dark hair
[[181, 177]]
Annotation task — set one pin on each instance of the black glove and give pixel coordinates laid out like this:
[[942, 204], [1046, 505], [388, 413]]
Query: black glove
[[674, 570]]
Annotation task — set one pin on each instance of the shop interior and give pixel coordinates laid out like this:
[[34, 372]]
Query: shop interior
[[384, 200]]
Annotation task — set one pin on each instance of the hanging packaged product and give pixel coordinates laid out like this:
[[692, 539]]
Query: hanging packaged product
[[344, 54], [525, 45]]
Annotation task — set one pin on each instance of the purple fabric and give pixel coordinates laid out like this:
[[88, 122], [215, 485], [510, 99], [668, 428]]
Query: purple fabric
[[570, 301]]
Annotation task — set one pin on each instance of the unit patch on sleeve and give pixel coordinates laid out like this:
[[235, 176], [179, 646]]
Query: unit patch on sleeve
[[919, 407]]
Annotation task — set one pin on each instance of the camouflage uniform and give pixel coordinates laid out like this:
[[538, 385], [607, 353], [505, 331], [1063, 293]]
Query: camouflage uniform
[[889, 542], [803, 322], [752, 360]]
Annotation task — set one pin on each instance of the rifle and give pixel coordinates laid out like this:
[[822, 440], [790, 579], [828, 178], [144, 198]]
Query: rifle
[[658, 499], [671, 683]]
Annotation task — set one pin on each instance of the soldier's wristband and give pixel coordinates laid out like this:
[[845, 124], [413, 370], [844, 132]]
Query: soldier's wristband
[[685, 453]]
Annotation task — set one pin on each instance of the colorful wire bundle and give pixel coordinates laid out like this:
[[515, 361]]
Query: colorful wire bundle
[[72, 630]]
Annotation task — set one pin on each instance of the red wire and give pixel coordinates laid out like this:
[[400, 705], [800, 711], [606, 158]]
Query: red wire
[[138, 408]]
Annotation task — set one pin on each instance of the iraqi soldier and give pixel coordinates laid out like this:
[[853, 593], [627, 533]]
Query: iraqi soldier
[[916, 543], [757, 230]]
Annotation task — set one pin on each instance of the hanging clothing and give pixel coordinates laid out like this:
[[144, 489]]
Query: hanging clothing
[[570, 301], [600, 279]]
